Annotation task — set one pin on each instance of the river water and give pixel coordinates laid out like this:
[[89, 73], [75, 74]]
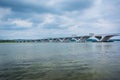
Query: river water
[[60, 61]]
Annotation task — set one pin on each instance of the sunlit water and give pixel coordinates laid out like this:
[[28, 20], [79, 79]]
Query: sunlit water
[[60, 61]]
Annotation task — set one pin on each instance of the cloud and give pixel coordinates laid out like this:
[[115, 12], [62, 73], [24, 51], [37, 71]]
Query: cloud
[[53, 18], [22, 23], [47, 6], [16, 24], [74, 5], [4, 12], [20, 6]]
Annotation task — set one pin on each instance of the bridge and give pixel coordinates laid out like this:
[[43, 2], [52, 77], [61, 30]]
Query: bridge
[[60, 39], [99, 37], [105, 37]]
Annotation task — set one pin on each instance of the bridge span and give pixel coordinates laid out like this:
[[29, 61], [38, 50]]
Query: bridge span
[[105, 37], [99, 38]]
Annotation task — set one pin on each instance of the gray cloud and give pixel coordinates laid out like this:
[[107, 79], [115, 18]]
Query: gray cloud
[[73, 5], [62, 17], [53, 26], [27, 9], [22, 6]]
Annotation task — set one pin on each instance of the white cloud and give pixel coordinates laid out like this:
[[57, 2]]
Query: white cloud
[[22, 23]]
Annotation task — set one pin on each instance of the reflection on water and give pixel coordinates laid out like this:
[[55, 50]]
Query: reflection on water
[[60, 61]]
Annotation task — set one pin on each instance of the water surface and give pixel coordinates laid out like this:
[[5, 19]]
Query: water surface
[[60, 61]]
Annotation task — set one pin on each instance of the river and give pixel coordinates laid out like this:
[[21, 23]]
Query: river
[[60, 61]]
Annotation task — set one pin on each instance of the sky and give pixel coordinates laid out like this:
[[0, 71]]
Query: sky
[[34, 19]]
